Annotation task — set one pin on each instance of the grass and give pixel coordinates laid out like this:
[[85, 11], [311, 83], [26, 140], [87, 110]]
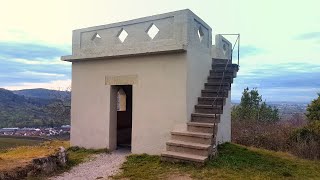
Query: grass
[[233, 162], [18, 152], [11, 142], [78, 155], [20, 156]]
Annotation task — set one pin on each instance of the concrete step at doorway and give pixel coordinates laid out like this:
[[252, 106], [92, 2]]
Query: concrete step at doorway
[[188, 147], [183, 157]]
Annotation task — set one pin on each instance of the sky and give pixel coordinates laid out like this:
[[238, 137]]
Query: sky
[[279, 54]]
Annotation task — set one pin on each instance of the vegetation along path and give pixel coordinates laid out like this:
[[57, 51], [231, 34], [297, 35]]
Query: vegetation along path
[[101, 166], [233, 162]]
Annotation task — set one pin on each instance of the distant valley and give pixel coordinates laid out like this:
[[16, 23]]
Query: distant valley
[[288, 110], [39, 108]]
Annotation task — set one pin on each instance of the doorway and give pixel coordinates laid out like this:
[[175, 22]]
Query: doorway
[[124, 116]]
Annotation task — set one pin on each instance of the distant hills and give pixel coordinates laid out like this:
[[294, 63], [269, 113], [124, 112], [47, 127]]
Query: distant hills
[[31, 107], [42, 93]]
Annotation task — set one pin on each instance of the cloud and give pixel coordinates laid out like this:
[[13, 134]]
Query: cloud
[[33, 73], [22, 63], [41, 61], [57, 85], [246, 51], [298, 82], [30, 51], [249, 50], [309, 36]]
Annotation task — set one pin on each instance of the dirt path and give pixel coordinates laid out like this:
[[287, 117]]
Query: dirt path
[[100, 167]]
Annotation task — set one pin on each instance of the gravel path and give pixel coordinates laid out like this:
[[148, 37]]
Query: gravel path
[[100, 167]]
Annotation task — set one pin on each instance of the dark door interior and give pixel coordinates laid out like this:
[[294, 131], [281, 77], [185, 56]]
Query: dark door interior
[[124, 117]]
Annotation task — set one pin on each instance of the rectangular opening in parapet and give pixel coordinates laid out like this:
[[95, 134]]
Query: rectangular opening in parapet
[[124, 116]]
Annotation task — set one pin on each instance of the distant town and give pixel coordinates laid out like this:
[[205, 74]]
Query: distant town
[[287, 109], [42, 132]]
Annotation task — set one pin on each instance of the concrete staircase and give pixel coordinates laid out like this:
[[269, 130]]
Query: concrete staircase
[[198, 143]]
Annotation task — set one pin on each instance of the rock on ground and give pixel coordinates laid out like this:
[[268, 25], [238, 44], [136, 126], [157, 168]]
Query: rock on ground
[[101, 166]]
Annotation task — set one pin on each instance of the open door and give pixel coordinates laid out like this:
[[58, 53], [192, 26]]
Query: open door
[[124, 116]]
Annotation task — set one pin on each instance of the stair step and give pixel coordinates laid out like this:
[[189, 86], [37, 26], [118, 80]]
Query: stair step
[[225, 76], [182, 157], [188, 144], [206, 106], [214, 93], [215, 79], [199, 124], [189, 147], [216, 85], [205, 118], [229, 68], [195, 137], [210, 100], [209, 109], [213, 73], [222, 69], [202, 127], [192, 134], [221, 61], [223, 65]]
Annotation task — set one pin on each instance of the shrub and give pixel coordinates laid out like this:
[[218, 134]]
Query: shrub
[[313, 110], [280, 136], [305, 141], [272, 136]]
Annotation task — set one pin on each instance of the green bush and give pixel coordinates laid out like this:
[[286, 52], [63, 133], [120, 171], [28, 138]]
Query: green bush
[[305, 141], [313, 110], [307, 133]]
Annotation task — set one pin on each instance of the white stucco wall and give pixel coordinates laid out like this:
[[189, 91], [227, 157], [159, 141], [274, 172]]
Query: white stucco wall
[[159, 100], [224, 127]]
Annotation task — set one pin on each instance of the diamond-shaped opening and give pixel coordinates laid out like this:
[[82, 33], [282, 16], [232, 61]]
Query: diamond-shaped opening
[[96, 36], [122, 35], [200, 34], [225, 47], [152, 31]]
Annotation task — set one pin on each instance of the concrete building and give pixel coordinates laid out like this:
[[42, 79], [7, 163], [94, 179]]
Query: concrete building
[[161, 63]]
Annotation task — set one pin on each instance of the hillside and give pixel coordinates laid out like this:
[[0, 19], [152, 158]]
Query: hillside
[[28, 108], [42, 93]]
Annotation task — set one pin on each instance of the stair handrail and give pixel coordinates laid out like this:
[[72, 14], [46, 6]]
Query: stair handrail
[[225, 68], [237, 42]]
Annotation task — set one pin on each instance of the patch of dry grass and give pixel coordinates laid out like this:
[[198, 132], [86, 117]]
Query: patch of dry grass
[[20, 156], [7, 142]]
